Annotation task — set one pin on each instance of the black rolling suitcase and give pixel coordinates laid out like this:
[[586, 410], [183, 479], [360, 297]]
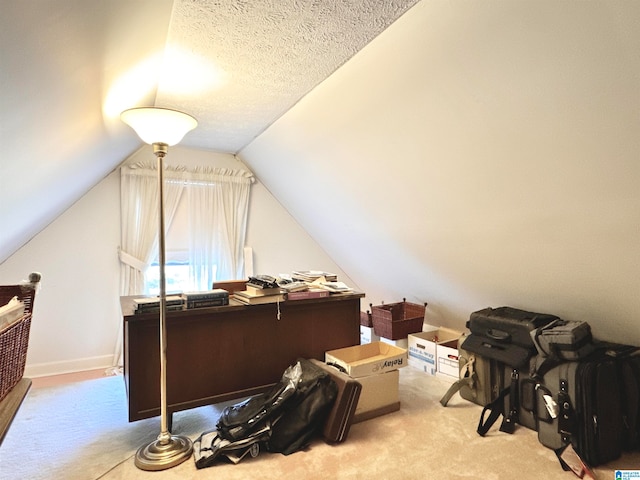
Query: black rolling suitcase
[[591, 405], [630, 377]]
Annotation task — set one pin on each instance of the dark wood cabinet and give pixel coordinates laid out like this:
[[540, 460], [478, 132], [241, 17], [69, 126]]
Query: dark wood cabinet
[[224, 353]]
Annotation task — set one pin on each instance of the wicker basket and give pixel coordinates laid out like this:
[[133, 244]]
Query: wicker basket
[[14, 341], [25, 293], [397, 320], [365, 319]]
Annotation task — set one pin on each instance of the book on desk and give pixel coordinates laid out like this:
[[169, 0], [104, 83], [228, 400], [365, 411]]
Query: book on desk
[[183, 301], [248, 298]]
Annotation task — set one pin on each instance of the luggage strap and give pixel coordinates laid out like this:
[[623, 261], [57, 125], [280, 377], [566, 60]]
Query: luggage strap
[[468, 377], [566, 416], [511, 417], [496, 408]]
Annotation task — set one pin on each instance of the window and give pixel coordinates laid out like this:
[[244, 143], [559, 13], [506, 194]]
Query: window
[[206, 215], [177, 269], [176, 276]]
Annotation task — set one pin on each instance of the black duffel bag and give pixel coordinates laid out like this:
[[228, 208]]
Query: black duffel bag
[[292, 411]]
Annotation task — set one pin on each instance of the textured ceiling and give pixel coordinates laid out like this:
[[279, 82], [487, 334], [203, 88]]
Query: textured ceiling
[[69, 67], [270, 53]]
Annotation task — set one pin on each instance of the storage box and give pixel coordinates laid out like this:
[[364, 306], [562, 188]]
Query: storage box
[[367, 335], [379, 395], [368, 359], [397, 320], [447, 357], [433, 349]]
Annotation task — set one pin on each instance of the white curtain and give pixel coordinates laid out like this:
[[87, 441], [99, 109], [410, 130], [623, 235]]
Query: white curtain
[[139, 211], [218, 209], [139, 220]]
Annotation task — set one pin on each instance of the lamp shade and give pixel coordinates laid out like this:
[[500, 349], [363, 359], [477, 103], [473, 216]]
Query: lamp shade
[[159, 125]]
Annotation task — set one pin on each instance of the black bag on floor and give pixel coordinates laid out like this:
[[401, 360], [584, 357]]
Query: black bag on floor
[[243, 418], [283, 420], [304, 416]]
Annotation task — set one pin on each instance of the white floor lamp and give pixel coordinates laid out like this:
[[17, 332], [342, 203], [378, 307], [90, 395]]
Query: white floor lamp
[[161, 128]]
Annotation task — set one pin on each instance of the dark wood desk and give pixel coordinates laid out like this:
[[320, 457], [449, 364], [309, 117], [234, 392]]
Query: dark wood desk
[[225, 353]]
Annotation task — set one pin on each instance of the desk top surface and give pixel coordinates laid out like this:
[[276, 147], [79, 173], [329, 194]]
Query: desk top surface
[[127, 305]]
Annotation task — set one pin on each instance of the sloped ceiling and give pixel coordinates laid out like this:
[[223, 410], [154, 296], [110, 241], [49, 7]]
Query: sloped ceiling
[[68, 68]]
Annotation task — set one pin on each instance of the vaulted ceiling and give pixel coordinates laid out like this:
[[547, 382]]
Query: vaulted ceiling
[[69, 67]]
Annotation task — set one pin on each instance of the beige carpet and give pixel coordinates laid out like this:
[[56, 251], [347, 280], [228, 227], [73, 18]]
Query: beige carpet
[[80, 431]]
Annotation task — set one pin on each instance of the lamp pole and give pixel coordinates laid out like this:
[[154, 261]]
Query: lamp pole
[[160, 150], [161, 128]]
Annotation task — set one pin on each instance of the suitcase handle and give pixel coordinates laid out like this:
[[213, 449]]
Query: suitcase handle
[[498, 335]]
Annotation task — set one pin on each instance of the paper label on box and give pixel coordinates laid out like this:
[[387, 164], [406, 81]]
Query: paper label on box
[[421, 355], [420, 365]]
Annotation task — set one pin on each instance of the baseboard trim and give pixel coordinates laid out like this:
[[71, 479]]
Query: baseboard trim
[[68, 366]]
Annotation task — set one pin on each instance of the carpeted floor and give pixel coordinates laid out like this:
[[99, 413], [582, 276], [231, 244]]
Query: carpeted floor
[[80, 432]]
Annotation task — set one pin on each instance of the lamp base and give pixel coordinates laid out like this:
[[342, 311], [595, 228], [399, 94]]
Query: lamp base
[[161, 455]]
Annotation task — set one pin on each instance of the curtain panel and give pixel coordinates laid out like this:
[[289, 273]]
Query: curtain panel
[[218, 204]]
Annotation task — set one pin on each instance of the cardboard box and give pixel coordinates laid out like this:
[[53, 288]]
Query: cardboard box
[[447, 354], [428, 347], [379, 395], [367, 335], [422, 350], [368, 359]]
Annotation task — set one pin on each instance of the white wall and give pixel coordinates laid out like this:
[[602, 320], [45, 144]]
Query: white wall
[[279, 244], [77, 311], [478, 154]]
